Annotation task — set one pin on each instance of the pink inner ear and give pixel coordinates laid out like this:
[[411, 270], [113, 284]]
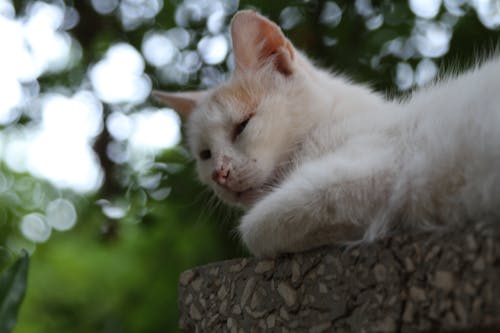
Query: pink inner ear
[[256, 40]]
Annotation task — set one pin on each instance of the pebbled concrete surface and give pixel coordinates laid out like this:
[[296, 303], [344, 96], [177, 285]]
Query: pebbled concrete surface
[[426, 282]]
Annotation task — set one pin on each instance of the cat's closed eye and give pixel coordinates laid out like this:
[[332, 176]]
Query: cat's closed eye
[[205, 154], [239, 128]]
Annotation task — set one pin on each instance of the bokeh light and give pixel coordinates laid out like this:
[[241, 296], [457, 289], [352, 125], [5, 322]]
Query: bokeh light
[[290, 17], [61, 214], [114, 210], [432, 39], [404, 76], [59, 149], [119, 125], [155, 129], [35, 44], [488, 12], [35, 227], [425, 8], [119, 77], [158, 49], [104, 7], [213, 50], [331, 15], [425, 72]]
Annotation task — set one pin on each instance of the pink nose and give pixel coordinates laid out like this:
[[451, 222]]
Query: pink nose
[[220, 176]]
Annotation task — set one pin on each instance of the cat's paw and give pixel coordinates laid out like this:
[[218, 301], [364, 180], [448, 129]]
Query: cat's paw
[[256, 236], [267, 228]]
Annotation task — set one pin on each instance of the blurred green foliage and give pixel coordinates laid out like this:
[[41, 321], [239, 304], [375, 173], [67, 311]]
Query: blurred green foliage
[[120, 275], [12, 289]]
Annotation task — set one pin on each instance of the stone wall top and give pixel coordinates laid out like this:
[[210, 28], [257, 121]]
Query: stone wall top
[[447, 282]]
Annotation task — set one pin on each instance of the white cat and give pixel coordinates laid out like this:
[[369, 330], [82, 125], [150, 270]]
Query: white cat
[[317, 159]]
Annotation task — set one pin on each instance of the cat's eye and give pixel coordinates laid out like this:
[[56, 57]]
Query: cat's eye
[[240, 128], [205, 154]]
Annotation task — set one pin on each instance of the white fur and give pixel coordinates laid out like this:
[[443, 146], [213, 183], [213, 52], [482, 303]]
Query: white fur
[[336, 162]]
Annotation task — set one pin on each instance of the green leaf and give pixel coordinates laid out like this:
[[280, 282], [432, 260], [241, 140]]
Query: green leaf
[[12, 290]]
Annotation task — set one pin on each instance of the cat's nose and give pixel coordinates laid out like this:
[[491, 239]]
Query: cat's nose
[[220, 176]]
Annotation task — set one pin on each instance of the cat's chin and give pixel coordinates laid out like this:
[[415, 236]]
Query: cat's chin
[[250, 196], [243, 199]]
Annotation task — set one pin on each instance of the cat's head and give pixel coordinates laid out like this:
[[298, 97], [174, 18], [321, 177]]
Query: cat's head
[[241, 133]]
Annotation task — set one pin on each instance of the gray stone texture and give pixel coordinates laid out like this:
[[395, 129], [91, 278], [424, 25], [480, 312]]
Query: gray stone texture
[[426, 282]]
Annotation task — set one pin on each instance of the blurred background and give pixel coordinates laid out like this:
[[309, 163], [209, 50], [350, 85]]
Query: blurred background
[[94, 181]]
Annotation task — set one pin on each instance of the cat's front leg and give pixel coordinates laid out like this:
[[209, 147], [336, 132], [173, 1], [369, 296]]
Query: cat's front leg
[[323, 202], [294, 219]]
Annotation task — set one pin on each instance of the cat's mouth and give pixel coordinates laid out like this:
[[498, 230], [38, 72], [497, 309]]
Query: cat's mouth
[[247, 197]]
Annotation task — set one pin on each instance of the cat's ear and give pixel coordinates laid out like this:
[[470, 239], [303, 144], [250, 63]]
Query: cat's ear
[[256, 41], [182, 102]]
